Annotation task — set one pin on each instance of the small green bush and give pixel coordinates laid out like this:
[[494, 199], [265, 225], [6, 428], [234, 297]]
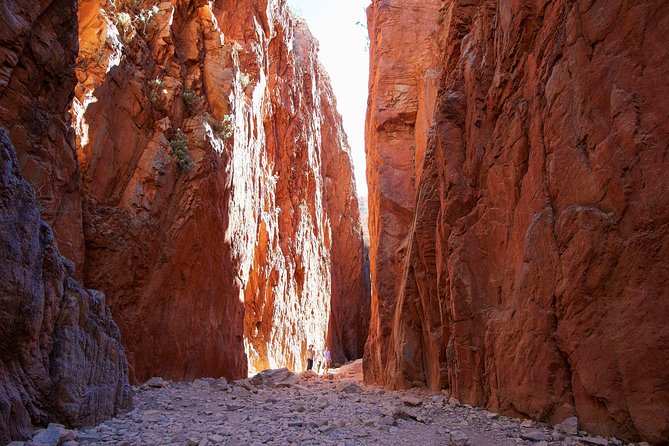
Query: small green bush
[[179, 145], [154, 86], [191, 99]]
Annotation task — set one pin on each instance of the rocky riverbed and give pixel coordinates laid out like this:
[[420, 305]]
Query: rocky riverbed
[[281, 408]]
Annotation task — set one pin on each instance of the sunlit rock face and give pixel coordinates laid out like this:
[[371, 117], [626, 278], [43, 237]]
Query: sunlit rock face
[[518, 213], [229, 249]]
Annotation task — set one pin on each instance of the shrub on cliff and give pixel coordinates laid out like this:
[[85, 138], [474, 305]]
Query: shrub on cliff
[[179, 145], [191, 99]]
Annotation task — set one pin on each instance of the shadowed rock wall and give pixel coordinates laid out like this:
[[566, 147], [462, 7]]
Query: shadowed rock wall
[[61, 359], [38, 49], [519, 240]]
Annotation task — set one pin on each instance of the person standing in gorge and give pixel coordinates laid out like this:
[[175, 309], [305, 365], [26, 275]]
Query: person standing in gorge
[[319, 361], [328, 359], [310, 357]]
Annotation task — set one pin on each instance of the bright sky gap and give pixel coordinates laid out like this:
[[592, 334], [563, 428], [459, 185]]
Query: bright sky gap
[[341, 29]]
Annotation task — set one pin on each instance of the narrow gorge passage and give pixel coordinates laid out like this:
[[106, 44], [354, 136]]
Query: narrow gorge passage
[[179, 211]]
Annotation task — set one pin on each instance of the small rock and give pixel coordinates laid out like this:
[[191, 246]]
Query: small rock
[[533, 435], [350, 388], [156, 382], [568, 426], [599, 441], [401, 414], [527, 423], [325, 429], [216, 439], [388, 421], [87, 437], [246, 384], [412, 401], [276, 378], [492, 415], [152, 416], [439, 400], [309, 374], [457, 438], [220, 384], [557, 436], [53, 435]]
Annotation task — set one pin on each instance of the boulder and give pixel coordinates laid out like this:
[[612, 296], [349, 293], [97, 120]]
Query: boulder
[[275, 378]]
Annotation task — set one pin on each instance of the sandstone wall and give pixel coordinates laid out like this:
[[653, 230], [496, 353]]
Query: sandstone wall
[[60, 355], [231, 253], [524, 265], [61, 359], [402, 59], [38, 49]]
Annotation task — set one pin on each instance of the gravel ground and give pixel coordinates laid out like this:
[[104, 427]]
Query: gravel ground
[[279, 408]]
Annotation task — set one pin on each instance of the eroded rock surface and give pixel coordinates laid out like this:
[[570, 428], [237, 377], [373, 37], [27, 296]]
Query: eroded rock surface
[[245, 242], [518, 215], [38, 49], [61, 359]]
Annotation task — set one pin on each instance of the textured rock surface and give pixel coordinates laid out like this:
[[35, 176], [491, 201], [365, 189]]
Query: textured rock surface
[[38, 49], [402, 58], [519, 248], [60, 354], [234, 251]]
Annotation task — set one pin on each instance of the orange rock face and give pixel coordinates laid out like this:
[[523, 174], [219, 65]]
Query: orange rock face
[[218, 188], [402, 60], [518, 214]]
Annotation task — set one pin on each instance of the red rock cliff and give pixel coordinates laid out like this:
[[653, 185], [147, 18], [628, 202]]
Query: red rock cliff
[[518, 215], [218, 191], [61, 359], [38, 49]]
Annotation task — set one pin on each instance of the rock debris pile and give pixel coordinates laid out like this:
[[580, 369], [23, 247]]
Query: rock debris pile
[[278, 407]]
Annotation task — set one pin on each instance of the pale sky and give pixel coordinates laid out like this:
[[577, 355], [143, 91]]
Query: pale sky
[[340, 27]]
